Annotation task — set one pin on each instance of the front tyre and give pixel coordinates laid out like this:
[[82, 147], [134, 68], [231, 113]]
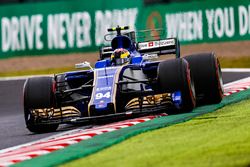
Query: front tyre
[[206, 71], [38, 94], [174, 75]]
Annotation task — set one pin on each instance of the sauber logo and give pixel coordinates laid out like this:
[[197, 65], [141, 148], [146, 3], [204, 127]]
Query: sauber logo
[[164, 43], [155, 44], [150, 44]]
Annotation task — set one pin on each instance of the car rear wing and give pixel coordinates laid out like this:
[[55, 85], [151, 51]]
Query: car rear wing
[[160, 47]]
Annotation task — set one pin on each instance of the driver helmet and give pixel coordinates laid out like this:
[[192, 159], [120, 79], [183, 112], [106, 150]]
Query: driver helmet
[[120, 56]]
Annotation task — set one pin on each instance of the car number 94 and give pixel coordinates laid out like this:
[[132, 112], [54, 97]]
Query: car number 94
[[102, 95]]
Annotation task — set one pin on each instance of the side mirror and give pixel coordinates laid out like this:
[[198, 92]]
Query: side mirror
[[83, 65]]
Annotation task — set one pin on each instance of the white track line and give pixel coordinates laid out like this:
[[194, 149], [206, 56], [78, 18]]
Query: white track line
[[40, 140], [24, 152], [28, 76], [234, 82], [235, 69]]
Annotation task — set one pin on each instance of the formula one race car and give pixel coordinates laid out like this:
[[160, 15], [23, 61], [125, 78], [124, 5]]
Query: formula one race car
[[124, 82]]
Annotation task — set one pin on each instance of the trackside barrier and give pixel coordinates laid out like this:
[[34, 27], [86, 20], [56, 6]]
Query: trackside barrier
[[99, 142], [79, 26], [61, 26]]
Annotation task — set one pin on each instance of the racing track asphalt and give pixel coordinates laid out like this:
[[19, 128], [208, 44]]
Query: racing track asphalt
[[12, 127]]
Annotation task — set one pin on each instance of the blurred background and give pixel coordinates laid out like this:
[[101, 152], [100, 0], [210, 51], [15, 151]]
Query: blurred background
[[147, 2], [50, 36]]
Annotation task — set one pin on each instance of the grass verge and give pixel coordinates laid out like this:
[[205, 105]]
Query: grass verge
[[235, 62], [221, 138], [37, 72]]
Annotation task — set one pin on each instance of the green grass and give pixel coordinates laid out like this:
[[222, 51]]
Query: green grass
[[235, 62], [36, 72], [221, 138]]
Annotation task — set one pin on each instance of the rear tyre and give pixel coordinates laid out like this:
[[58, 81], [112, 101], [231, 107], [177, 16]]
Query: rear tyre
[[206, 71], [38, 94], [174, 75]]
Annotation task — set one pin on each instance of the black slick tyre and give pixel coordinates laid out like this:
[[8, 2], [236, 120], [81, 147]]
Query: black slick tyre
[[206, 72], [38, 94], [174, 75]]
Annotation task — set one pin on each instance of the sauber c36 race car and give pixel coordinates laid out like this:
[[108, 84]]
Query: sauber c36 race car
[[124, 82]]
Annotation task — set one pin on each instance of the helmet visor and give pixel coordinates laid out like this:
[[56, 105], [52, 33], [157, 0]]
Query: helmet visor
[[120, 61]]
